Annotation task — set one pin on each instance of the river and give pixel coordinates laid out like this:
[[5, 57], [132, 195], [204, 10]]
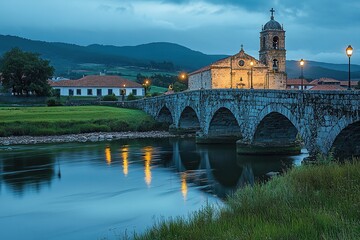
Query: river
[[101, 190]]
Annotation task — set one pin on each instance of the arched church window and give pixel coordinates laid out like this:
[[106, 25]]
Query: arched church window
[[275, 65], [263, 43], [276, 42]]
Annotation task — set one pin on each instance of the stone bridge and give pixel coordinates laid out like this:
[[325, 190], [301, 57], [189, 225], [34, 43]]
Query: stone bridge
[[274, 119]]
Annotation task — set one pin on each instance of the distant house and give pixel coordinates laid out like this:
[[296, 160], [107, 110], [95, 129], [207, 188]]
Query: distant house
[[98, 86], [295, 84], [325, 81], [320, 84], [328, 87]]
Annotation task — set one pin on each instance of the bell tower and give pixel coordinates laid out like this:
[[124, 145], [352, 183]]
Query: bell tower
[[272, 45]]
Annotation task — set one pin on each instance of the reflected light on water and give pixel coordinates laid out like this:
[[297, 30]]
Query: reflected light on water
[[147, 158], [184, 189], [125, 156], [108, 155]]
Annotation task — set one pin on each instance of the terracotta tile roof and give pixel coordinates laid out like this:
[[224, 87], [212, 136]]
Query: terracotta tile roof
[[206, 68], [328, 87], [352, 83], [325, 81], [97, 81], [297, 81], [200, 70]]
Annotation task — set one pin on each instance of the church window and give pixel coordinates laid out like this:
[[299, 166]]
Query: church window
[[275, 65], [276, 42], [263, 43]]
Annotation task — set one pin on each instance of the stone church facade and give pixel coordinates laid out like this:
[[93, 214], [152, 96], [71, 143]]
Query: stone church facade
[[244, 71]]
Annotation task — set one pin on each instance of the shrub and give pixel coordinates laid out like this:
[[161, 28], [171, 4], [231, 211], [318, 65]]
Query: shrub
[[119, 126], [156, 94], [90, 127], [131, 97], [53, 102], [111, 97]]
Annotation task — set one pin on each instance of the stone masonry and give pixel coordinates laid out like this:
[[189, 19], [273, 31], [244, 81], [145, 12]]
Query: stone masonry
[[322, 119]]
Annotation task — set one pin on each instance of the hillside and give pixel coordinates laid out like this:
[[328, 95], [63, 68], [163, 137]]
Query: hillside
[[65, 56], [72, 60], [313, 70]]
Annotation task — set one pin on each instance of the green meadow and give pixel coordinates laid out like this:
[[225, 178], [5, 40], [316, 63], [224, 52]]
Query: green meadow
[[36, 121]]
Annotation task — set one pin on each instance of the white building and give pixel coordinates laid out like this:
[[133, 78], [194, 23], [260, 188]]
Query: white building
[[98, 86]]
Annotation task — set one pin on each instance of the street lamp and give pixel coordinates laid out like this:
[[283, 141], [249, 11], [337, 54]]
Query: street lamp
[[349, 52], [146, 85], [251, 76], [123, 93], [302, 62], [182, 76]]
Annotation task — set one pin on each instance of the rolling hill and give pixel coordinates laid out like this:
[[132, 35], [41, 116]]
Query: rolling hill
[[161, 55]]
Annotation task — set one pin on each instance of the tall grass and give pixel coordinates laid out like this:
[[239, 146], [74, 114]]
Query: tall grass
[[36, 121], [309, 202]]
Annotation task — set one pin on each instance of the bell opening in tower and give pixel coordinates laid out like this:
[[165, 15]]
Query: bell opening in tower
[[276, 42]]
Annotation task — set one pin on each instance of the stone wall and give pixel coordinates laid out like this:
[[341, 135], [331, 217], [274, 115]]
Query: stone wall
[[318, 116]]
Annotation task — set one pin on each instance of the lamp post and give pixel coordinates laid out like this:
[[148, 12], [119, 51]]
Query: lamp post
[[251, 75], [123, 92], [302, 62], [183, 76], [146, 85], [349, 52]]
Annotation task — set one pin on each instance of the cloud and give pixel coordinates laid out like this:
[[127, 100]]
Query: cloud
[[211, 26]]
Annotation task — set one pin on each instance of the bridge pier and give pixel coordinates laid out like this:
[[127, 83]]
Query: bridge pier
[[182, 131], [216, 139], [270, 148]]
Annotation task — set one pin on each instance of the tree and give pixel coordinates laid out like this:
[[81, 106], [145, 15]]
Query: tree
[[25, 73]]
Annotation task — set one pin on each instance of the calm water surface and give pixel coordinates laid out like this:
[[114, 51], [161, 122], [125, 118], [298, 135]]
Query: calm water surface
[[101, 190]]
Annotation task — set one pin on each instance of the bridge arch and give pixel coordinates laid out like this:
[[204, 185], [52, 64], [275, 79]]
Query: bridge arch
[[224, 123], [164, 115], [189, 120], [344, 138], [277, 125]]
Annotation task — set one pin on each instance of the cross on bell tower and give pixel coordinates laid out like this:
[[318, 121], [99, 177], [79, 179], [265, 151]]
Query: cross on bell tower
[[272, 13]]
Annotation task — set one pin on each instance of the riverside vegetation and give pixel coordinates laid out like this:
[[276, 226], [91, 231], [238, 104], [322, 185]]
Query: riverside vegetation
[[38, 121], [309, 202]]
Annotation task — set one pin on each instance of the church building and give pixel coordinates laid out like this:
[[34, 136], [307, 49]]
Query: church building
[[244, 71]]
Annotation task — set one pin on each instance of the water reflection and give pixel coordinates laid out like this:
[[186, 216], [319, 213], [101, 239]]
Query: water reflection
[[99, 193], [24, 172], [184, 189], [147, 158], [125, 158], [218, 169], [108, 155]]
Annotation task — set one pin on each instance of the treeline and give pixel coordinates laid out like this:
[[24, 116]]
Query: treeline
[[164, 80]]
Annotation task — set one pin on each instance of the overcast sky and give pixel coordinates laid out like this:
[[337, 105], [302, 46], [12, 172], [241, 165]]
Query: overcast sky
[[317, 30]]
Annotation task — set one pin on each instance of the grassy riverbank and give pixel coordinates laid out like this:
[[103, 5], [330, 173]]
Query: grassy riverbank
[[37, 121], [309, 202]]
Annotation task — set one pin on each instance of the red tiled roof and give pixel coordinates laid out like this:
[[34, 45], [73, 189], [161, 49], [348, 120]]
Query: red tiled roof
[[352, 83], [97, 81], [324, 81], [297, 81], [206, 68], [328, 87], [200, 70]]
